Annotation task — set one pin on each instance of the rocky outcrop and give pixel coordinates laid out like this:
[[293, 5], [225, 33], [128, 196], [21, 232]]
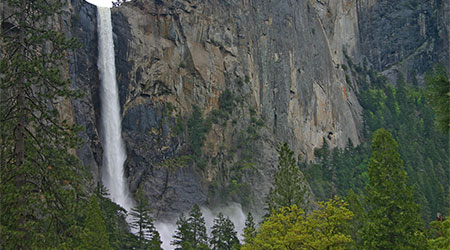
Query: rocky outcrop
[[260, 72], [407, 36], [279, 63], [79, 21]]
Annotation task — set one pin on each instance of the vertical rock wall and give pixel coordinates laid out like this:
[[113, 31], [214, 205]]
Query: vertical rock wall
[[79, 21], [407, 36], [280, 65], [280, 60]]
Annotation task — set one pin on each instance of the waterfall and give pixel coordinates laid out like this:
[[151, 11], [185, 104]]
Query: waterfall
[[114, 154]]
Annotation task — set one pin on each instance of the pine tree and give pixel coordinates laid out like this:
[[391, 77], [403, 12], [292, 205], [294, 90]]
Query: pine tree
[[438, 91], [41, 200], [183, 238], [249, 229], [197, 226], [358, 220], [155, 242], [191, 232], [115, 220], [94, 235], [223, 235], [147, 235], [393, 220], [441, 238], [289, 183]]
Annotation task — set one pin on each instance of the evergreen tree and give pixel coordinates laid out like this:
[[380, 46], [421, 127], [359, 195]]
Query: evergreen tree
[[155, 242], [438, 89], [183, 239], [94, 235], [393, 220], [441, 238], [424, 151], [358, 220], [41, 205], [191, 232], [223, 235], [197, 226], [249, 229], [289, 183], [115, 220], [147, 235]]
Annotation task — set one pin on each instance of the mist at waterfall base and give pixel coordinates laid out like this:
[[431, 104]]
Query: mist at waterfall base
[[113, 146], [234, 211]]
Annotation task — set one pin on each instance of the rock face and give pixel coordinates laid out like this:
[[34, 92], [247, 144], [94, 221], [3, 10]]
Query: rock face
[[404, 36], [80, 22], [260, 73], [276, 60]]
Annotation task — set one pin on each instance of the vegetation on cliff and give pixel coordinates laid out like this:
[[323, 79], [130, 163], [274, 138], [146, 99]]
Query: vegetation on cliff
[[47, 201], [404, 110]]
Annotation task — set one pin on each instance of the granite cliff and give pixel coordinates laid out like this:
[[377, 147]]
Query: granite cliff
[[242, 76]]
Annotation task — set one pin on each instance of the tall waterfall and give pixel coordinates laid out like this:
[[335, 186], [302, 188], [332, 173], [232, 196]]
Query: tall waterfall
[[114, 154]]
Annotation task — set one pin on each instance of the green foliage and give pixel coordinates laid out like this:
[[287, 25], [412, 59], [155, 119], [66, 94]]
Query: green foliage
[[182, 234], [94, 234], [359, 219], [191, 232], [327, 227], [168, 108], [289, 183], [218, 115], [425, 152], [115, 220], [235, 187], [223, 235], [278, 231], [197, 226], [438, 94], [197, 129], [249, 229], [41, 200], [393, 219], [289, 228], [441, 238], [255, 124], [142, 221], [404, 112], [179, 127], [176, 162], [226, 106], [226, 101]]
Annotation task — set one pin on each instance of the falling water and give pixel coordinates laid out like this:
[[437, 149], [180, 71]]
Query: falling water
[[113, 147]]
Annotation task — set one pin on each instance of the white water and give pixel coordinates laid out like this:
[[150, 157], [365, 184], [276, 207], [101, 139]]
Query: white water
[[102, 3], [114, 154], [113, 147]]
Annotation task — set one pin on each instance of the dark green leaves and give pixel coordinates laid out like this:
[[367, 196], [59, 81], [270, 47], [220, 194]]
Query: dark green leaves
[[289, 183]]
